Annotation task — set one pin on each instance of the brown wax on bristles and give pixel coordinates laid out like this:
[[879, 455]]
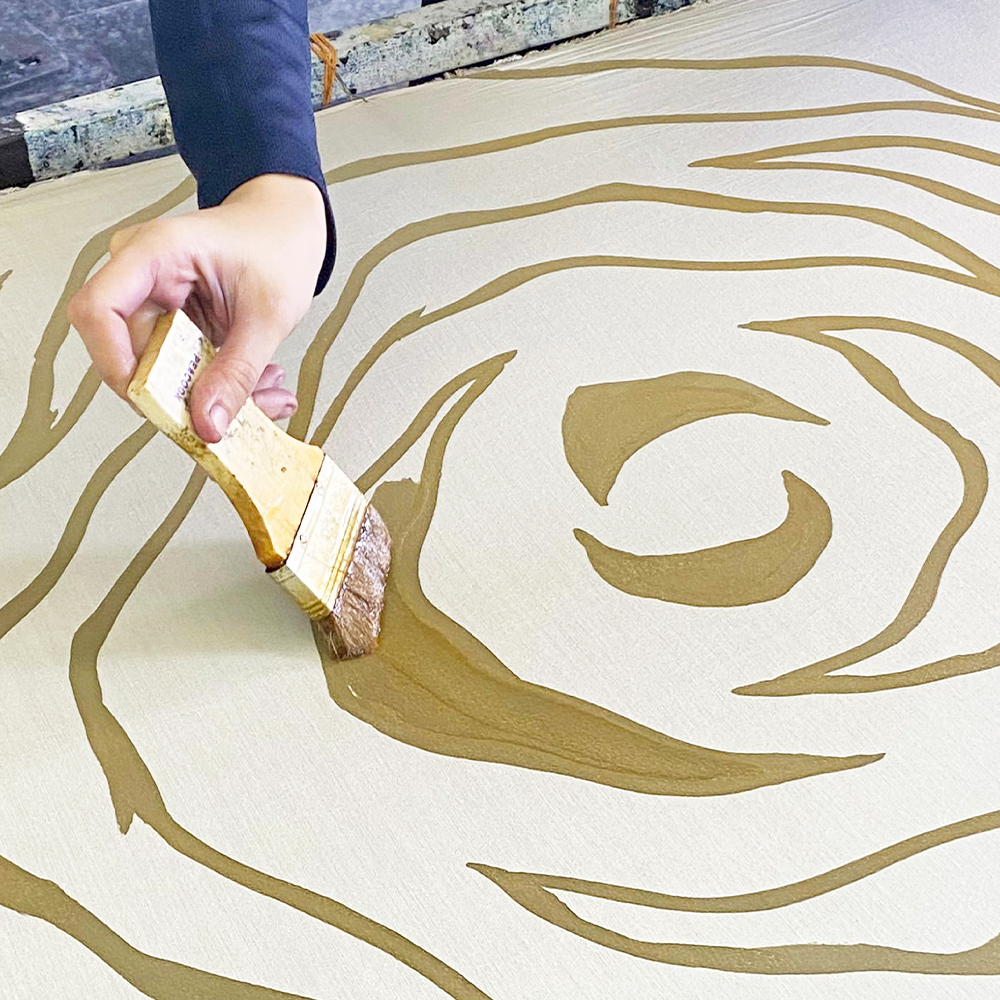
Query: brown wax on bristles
[[352, 628]]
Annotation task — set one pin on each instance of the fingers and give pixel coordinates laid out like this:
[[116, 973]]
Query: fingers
[[140, 326], [276, 402], [220, 391], [105, 307], [272, 377], [100, 310], [242, 288]]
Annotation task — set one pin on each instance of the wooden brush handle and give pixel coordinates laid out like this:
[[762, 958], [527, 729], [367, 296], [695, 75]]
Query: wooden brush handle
[[267, 475]]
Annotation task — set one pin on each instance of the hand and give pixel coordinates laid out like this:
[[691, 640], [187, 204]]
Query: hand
[[245, 272]]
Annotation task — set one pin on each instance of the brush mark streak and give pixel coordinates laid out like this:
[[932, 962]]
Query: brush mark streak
[[159, 978], [134, 791], [533, 892], [370, 165], [3, 277], [432, 684], [24, 602], [982, 274], [606, 423], [748, 571], [38, 431], [817, 678], [748, 62], [762, 160]]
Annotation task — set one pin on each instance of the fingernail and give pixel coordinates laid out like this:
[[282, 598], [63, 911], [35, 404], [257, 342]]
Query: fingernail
[[219, 418], [287, 410]]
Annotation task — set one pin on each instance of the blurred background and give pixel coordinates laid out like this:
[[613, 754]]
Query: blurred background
[[51, 50]]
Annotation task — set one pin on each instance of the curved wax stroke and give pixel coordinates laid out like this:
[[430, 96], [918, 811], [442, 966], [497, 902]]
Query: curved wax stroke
[[975, 107], [26, 600], [419, 319], [761, 159], [239, 871], [984, 276], [134, 791], [817, 678], [37, 434], [749, 571], [158, 978], [369, 165], [328, 331], [586, 68], [534, 892], [38, 431], [432, 684], [813, 678], [605, 424]]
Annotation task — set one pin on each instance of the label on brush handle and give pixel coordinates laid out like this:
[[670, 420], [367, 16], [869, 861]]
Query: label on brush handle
[[174, 358]]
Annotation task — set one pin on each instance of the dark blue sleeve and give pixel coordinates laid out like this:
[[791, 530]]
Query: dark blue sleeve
[[236, 76]]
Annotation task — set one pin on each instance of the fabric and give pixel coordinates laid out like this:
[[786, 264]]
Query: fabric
[[670, 358], [236, 77]]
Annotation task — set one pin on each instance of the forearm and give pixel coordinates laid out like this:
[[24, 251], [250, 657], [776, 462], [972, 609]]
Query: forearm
[[236, 76]]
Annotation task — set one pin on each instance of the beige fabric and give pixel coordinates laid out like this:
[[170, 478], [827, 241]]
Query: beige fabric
[[306, 827]]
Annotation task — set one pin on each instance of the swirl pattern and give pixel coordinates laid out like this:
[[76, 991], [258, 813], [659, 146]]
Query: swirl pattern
[[573, 341]]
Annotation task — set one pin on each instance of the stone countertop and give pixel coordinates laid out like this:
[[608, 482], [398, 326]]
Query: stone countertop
[[51, 50]]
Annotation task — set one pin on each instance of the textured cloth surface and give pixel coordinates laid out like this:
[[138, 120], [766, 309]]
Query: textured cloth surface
[[671, 359]]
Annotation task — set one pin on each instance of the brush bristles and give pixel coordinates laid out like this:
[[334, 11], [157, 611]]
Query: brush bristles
[[352, 628]]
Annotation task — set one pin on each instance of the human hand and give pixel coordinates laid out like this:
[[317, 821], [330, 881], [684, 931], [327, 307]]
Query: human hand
[[244, 271]]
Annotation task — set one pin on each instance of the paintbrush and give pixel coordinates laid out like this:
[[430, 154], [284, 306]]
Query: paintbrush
[[310, 525]]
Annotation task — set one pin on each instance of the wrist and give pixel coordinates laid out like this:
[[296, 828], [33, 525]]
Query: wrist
[[287, 206], [285, 189]]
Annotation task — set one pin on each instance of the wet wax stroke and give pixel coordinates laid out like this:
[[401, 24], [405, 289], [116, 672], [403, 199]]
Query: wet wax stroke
[[39, 431], [193, 847], [534, 892], [432, 684], [749, 571], [982, 275], [134, 791], [158, 978], [605, 424], [818, 677]]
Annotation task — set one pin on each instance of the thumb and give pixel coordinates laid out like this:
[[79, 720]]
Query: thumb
[[224, 386]]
